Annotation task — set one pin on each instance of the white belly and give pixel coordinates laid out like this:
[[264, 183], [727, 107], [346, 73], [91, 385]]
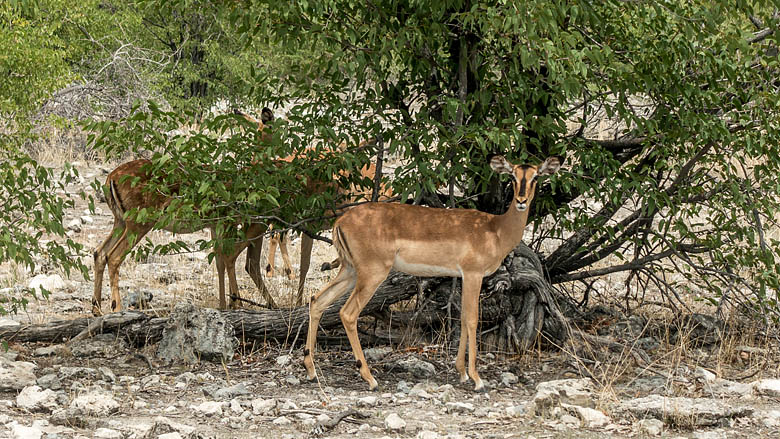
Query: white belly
[[424, 270]]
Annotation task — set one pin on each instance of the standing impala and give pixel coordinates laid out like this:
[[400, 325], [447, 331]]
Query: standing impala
[[125, 194], [371, 239]]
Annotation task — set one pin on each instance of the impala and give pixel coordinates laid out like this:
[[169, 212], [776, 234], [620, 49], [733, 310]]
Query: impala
[[124, 194], [373, 238]]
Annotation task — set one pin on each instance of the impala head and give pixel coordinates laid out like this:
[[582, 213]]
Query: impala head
[[525, 177]]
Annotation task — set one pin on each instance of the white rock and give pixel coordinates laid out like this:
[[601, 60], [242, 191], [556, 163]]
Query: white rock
[[590, 418], [73, 225], [86, 219], [33, 399], [417, 367], [107, 433], [427, 434], [768, 387], [23, 432], [263, 406], [651, 427], [394, 422], [570, 421], [460, 407], [49, 282], [292, 380], [368, 401], [700, 411], [323, 418], [376, 354], [516, 410], [15, 375], [283, 360], [95, 403], [282, 420], [174, 435], [508, 379], [209, 408], [551, 394], [235, 406], [717, 434]]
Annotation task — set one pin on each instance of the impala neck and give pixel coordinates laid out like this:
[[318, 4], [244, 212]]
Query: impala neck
[[511, 226]]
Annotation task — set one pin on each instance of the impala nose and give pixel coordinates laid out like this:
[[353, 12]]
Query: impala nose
[[522, 206]]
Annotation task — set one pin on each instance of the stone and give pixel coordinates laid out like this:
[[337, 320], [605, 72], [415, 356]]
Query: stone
[[164, 425], [34, 399], [263, 406], [651, 427], [16, 375], [224, 393], [684, 412], [427, 434], [52, 282], [292, 380], [570, 421], [137, 299], [394, 422], [368, 401], [73, 225], [282, 420], [508, 379], [47, 351], [235, 407], [551, 394], [417, 367], [107, 433], [77, 373], [24, 432], [283, 360], [374, 355], [460, 407], [173, 435], [95, 403], [717, 434], [591, 418], [209, 408], [191, 334], [768, 387], [516, 410]]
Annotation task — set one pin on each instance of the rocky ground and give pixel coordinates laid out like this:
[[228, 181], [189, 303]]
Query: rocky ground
[[101, 387]]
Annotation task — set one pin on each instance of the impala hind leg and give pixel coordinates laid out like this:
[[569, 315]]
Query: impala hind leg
[[254, 253], [339, 286], [116, 255], [368, 280], [273, 242], [284, 244], [306, 245], [100, 257]]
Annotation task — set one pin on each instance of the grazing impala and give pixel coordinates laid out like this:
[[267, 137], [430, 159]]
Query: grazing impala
[[124, 194], [371, 239]]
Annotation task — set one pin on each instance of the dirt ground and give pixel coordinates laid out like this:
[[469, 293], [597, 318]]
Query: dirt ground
[[263, 392]]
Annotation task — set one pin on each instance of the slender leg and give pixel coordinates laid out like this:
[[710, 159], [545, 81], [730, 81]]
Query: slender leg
[[470, 314], [284, 241], [116, 255], [100, 257], [306, 245], [368, 279], [253, 257], [460, 361], [340, 285], [220, 261], [273, 242]]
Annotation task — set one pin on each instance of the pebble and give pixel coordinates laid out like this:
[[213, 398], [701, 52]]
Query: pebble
[[282, 420], [394, 422]]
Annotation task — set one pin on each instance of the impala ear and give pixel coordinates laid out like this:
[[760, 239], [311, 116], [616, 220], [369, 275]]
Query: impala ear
[[266, 115], [500, 164], [550, 166]]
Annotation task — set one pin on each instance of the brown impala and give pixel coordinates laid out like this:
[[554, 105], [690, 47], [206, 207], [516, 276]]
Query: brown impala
[[371, 239], [125, 195]]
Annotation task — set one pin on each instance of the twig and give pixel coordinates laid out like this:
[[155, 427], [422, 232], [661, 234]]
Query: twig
[[323, 427]]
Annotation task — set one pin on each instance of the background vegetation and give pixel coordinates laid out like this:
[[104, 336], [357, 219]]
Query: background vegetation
[[681, 193]]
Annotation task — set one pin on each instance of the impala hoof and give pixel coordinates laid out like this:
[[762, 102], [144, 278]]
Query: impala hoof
[[481, 388]]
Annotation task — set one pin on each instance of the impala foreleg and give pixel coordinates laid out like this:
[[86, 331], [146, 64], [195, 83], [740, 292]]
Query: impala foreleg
[[272, 244], [336, 288], [306, 245], [470, 315], [284, 241]]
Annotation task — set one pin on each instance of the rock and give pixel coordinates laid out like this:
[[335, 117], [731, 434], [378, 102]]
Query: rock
[[427, 434], [52, 282], [69, 417], [768, 387], [459, 407], [263, 406], [107, 433], [23, 432], [209, 408], [77, 373], [6, 323], [651, 427], [573, 391], [95, 403], [192, 333], [163, 425], [15, 375], [368, 401], [101, 345], [73, 225], [717, 434], [174, 435], [770, 418], [683, 412], [516, 410], [374, 355], [137, 299], [283, 360], [591, 418], [292, 380], [33, 399], [508, 379], [417, 367], [225, 393], [282, 420], [47, 351], [49, 381], [570, 421], [394, 422], [86, 219]]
